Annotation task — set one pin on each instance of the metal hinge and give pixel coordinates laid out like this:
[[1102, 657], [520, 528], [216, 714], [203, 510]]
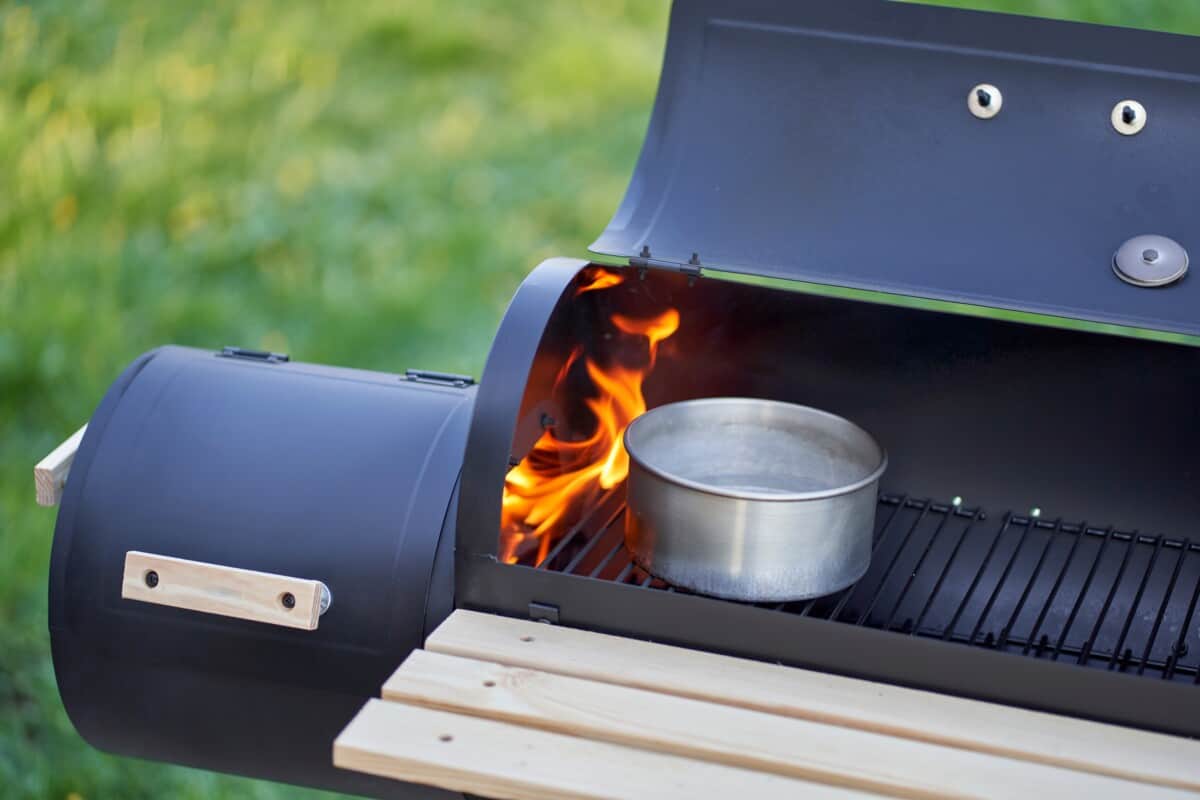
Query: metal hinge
[[543, 612], [693, 268], [439, 378], [255, 355]]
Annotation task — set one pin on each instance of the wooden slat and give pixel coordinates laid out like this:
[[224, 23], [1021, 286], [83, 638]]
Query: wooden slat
[[736, 736], [495, 759], [881, 708], [50, 474], [221, 590]]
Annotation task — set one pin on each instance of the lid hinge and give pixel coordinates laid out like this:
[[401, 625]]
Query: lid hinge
[[644, 260], [439, 378], [254, 355]]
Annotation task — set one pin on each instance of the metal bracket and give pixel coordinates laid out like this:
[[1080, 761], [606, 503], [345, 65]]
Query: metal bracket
[[693, 268], [439, 378], [255, 355], [543, 612]]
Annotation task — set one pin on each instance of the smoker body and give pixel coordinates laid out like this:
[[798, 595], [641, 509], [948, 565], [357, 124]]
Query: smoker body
[[1034, 542], [337, 475]]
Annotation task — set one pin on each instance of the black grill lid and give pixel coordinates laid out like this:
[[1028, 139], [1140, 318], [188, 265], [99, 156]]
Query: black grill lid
[[832, 142]]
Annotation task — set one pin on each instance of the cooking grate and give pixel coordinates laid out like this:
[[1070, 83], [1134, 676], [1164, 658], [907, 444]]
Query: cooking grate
[[1070, 592]]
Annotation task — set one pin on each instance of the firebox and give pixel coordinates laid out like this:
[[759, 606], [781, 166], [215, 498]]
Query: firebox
[[966, 232]]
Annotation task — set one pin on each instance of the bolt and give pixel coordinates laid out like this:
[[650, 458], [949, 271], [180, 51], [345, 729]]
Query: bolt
[[1150, 256], [1129, 115], [152, 579], [288, 600], [984, 97], [547, 421], [1035, 513], [957, 502]]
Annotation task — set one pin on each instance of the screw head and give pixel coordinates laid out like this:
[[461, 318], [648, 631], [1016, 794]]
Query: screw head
[[151, 579], [985, 101], [288, 600], [1129, 117], [1151, 261]]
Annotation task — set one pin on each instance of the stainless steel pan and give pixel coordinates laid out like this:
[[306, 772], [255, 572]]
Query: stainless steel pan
[[751, 499]]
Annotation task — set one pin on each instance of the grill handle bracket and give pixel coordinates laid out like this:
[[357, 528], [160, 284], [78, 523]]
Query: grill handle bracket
[[224, 591]]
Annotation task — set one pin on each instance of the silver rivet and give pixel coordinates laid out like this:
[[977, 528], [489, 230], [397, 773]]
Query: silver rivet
[[1151, 261], [957, 502], [1035, 513], [1129, 117], [985, 101]]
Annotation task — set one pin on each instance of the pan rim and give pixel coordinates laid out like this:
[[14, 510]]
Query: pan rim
[[743, 494]]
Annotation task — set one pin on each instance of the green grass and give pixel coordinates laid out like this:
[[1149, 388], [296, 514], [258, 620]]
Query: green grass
[[361, 184]]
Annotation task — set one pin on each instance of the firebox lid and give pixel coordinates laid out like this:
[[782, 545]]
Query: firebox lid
[[848, 143]]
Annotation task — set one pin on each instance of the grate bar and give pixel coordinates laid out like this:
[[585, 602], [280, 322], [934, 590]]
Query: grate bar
[[987, 560], [1087, 584], [912, 575], [1012, 559], [1037, 571], [1117, 654], [1180, 648], [583, 525], [883, 532], [1058, 581], [892, 566], [937, 587], [591, 544], [1162, 611], [949, 576], [617, 547], [1085, 652]]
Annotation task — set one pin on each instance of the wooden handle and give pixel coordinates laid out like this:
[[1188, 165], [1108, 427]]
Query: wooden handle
[[225, 591], [50, 474]]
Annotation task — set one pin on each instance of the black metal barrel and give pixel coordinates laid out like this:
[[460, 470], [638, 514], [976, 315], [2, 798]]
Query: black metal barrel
[[245, 460]]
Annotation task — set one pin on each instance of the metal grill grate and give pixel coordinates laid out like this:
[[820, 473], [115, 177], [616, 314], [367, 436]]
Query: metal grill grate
[[1070, 592]]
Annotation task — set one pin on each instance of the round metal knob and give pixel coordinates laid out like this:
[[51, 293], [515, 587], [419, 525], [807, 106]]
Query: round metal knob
[[1150, 261]]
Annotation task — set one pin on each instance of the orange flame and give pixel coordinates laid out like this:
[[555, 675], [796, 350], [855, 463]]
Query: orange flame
[[560, 478]]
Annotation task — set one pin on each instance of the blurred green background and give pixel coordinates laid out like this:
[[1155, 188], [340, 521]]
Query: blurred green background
[[361, 184]]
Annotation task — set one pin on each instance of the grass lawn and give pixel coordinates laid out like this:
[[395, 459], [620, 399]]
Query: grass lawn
[[360, 184]]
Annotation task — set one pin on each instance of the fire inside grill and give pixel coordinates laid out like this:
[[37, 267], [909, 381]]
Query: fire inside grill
[[561, 477]]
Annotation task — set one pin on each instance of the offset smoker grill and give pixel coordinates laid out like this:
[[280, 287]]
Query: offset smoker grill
[[1035, 541]]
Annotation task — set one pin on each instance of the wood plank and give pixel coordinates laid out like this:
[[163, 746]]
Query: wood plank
[[50, 474], [881, 708], [736, 736], [221, 590], [495, 759]]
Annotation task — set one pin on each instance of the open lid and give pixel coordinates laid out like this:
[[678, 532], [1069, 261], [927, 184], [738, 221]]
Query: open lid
[[834, 142]]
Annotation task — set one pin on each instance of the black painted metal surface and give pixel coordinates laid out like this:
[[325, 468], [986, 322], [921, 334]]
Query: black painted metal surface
[[832, 142], [331, 474]]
